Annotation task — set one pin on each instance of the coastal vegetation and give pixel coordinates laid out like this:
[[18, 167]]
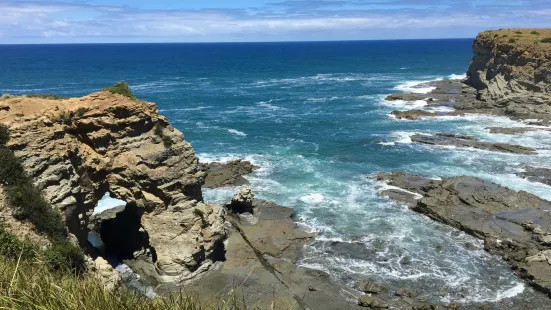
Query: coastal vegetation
[[46, 96], [28, 205], [27, 284], [121, 88]]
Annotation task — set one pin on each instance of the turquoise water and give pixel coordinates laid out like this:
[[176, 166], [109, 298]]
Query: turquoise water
[[313, 118]]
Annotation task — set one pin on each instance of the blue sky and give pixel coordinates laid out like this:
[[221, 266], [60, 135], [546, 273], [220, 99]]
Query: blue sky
[[81, 21]]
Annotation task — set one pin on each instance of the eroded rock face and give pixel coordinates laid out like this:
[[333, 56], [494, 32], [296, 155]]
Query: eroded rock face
[[504, 65], [77, 149]]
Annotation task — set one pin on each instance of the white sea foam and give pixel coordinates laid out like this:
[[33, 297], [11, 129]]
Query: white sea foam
[[314, 198], [385, 186], [268, 105], [457, 76], [404, 105], [237, 132], [415, 87]]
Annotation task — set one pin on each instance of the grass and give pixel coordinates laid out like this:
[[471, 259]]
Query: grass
[[28, 205], [512, 40], [46, 96], [535, 33], [29, 284], [121, 88], [546, 40]]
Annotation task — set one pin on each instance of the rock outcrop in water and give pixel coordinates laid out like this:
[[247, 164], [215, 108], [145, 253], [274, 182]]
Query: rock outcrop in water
[[513, 224], [78, 149], [446, 139], [226, 174]]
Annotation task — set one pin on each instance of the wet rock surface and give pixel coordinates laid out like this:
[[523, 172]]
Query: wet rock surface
[[226, 174], [513, 224], [413, 114], [537, 174], [445, 139], [515, 130]]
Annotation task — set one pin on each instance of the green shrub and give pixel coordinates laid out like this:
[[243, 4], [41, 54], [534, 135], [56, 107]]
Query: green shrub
[[28, 205], [512, 40], [46, 96], [535, 33], [158, 130], [121, 88], [546, 40], [11, 171], [19, 114], [167, 141], [198, 212], [64, 256], [4, 134], [505, 36], [13, 248], [65, 118], [518, 32], [81, 111]]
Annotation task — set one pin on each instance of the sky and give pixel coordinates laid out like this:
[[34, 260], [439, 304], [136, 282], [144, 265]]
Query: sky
[[125, 21]]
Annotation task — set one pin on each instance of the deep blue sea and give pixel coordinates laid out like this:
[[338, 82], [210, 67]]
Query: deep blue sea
[[312, 117]]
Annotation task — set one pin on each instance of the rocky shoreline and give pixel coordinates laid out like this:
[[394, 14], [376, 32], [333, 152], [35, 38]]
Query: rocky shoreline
[[503, 80]]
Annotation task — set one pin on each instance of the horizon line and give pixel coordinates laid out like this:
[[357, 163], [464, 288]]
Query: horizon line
[[236, 42]]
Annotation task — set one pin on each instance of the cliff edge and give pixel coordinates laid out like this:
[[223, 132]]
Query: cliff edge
[[510, 62]]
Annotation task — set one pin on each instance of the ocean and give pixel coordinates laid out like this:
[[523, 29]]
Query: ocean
[[313, 118]]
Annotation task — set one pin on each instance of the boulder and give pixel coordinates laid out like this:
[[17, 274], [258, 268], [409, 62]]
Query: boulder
[[369, 287], [101, 270], [242, 201], [372, 302]]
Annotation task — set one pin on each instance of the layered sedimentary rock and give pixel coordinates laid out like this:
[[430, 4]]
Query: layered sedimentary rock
[[511, 62], [78, 149]]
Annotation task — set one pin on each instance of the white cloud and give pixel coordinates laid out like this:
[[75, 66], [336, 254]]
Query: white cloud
[[61, 22]]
